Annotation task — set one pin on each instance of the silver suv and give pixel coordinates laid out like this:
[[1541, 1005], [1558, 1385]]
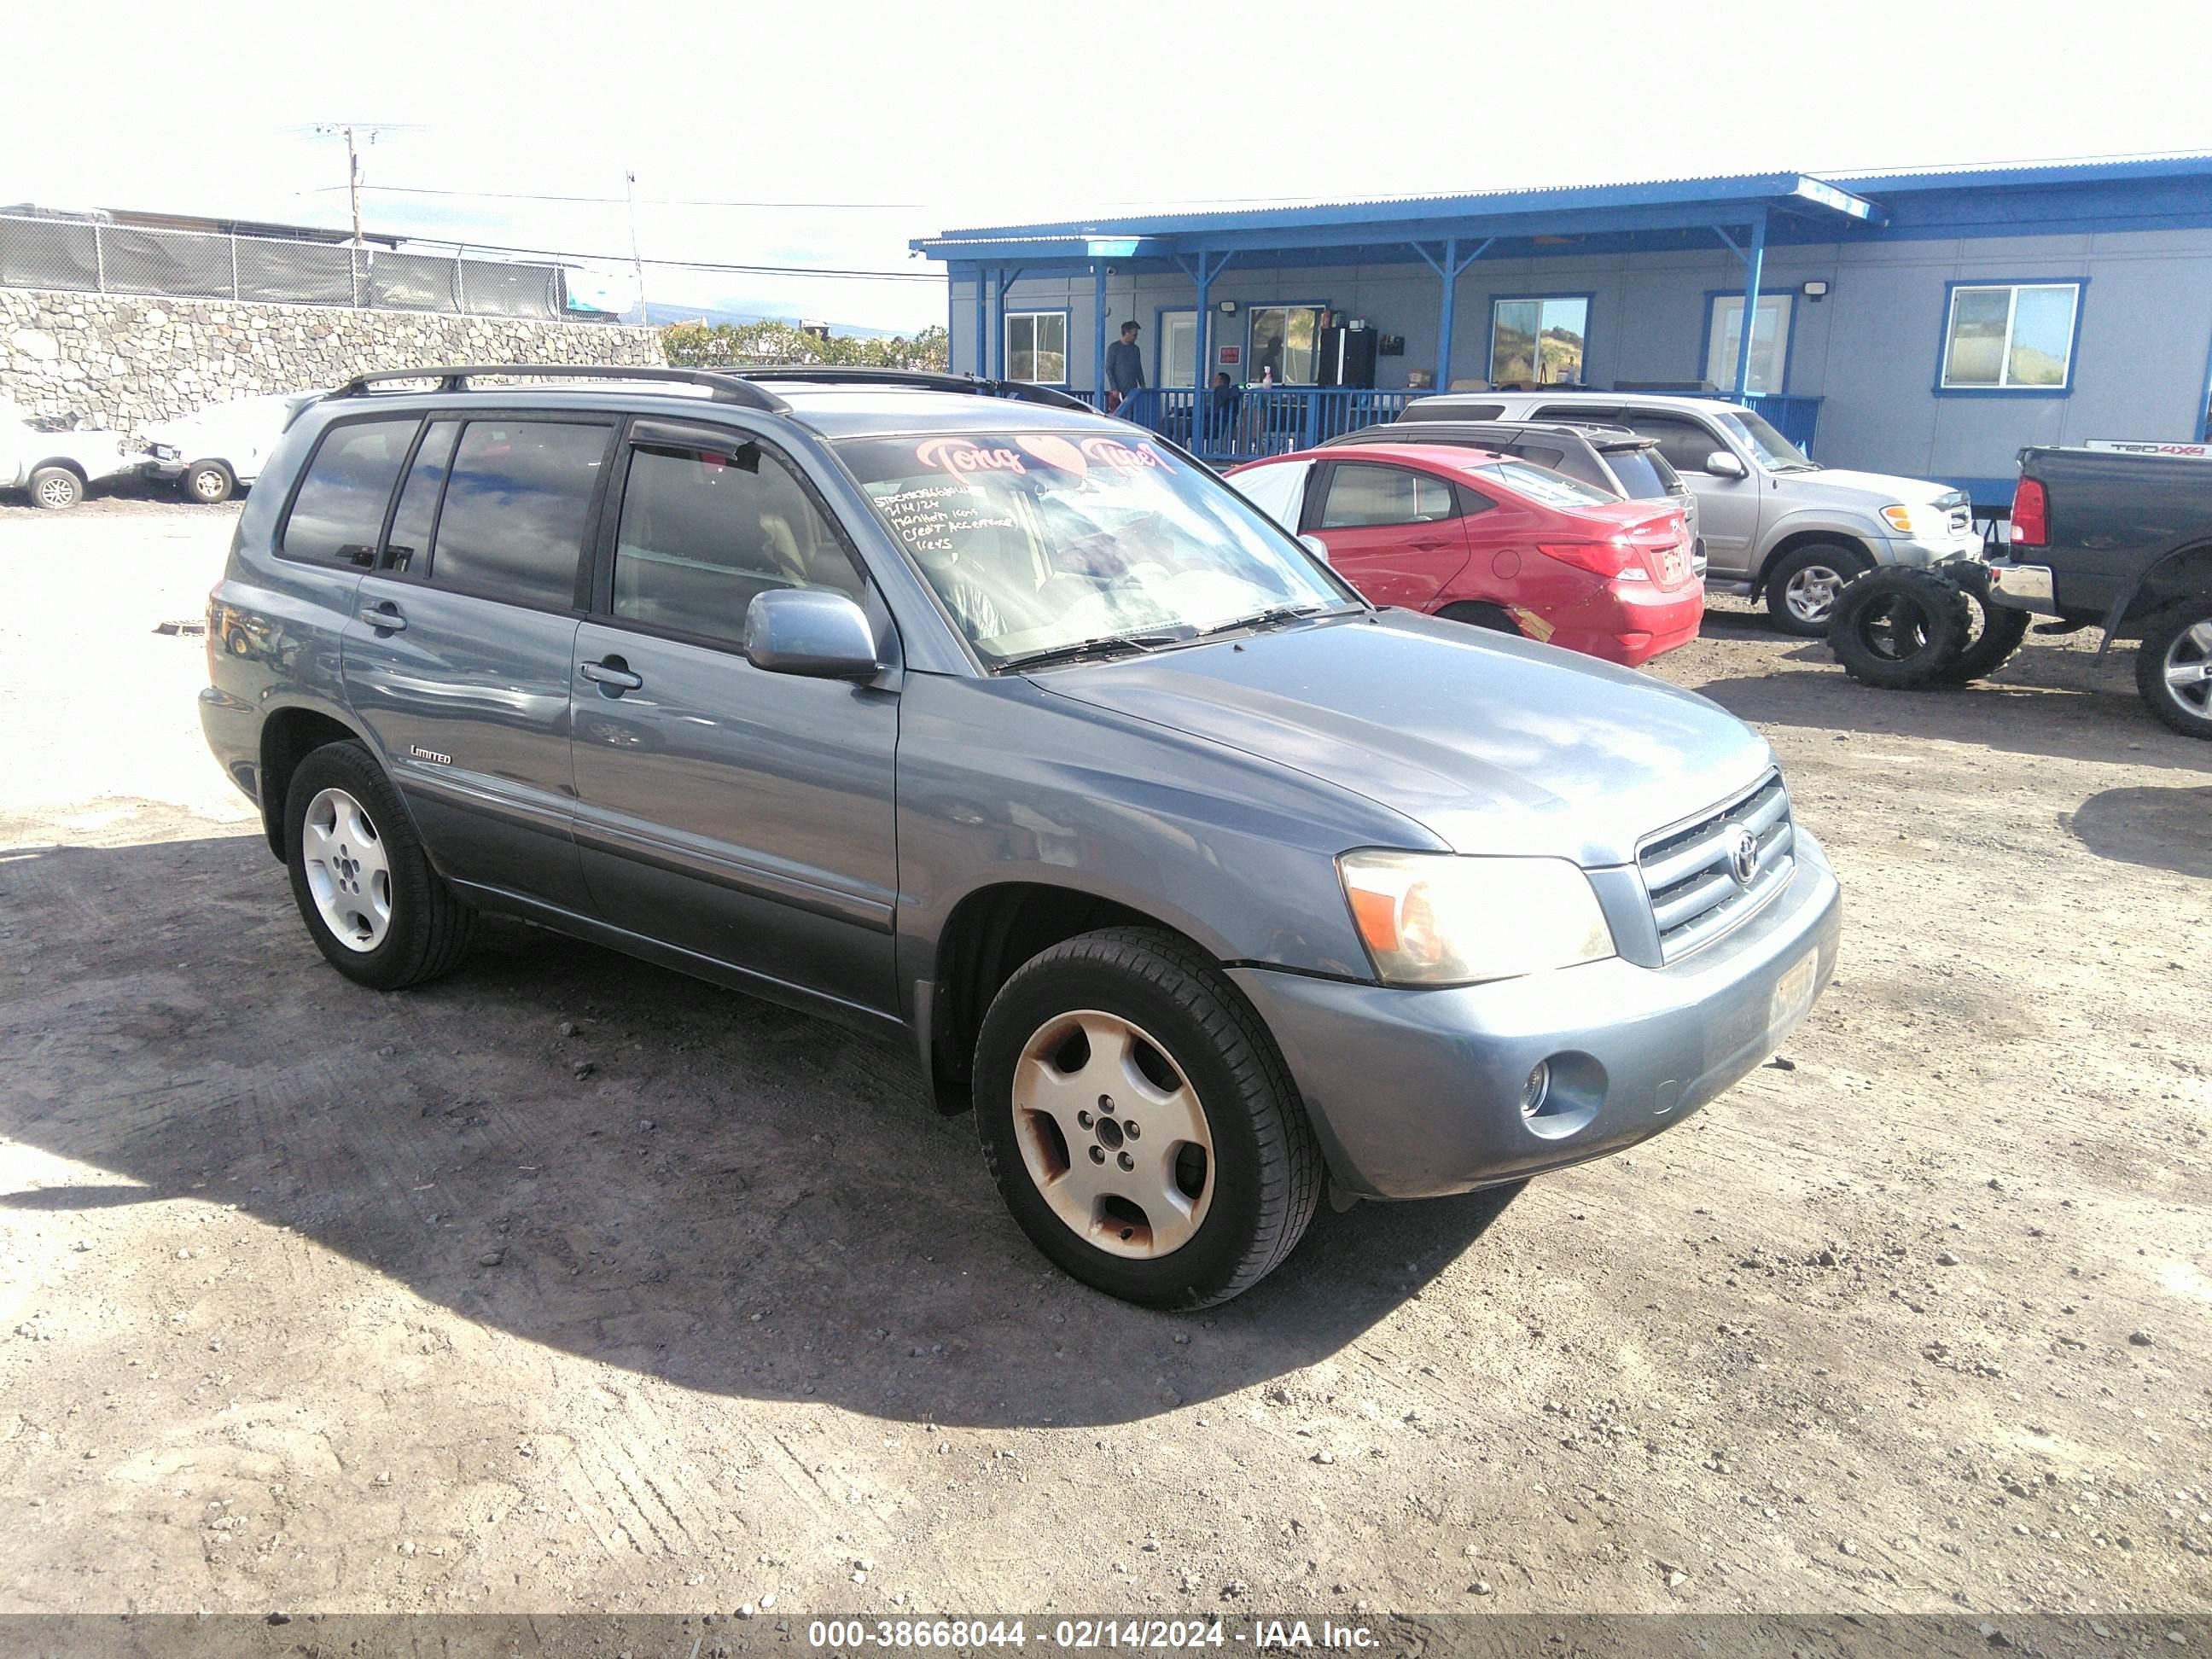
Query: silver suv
[[987, 721], [1774, 522]]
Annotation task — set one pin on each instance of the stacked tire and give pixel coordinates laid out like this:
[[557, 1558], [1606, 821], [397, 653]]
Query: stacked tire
[[1905, 628]]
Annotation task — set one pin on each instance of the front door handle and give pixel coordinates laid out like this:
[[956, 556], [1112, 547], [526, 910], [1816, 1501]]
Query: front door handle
[[613, 676], [385, 618]]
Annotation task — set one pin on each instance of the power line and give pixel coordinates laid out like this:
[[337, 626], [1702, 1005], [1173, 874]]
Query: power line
[[649, 201], [836, 271]]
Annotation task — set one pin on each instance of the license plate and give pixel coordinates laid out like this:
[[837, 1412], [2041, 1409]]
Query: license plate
[[1793, 998]]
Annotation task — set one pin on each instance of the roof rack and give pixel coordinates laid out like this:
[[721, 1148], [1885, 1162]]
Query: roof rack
[[725, 388], [921, 380]]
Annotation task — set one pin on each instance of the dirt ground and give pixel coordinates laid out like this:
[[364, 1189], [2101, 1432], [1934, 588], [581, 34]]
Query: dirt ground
[[569, 1284]]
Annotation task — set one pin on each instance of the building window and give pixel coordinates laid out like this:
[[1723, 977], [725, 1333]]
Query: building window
[[1284, 344], [1770, 341], [1538, 341], [1036, 346], [2010, 337]]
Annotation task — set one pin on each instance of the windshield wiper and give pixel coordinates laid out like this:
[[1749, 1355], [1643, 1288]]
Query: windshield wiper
[[1272, 615], [1105, 645]]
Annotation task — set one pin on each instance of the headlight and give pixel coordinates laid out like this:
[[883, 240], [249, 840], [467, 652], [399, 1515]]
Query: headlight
[[1437, 918], [1899, 518]]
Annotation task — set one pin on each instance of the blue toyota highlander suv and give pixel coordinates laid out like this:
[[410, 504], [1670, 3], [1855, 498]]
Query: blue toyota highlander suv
[[955, 708]]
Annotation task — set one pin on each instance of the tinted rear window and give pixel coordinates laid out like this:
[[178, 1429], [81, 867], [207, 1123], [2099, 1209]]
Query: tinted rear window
[[335, 516], [1639, 477], [512, 525]]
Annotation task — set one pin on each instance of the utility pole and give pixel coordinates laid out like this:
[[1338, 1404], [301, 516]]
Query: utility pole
[[345, 129], [636, 264]]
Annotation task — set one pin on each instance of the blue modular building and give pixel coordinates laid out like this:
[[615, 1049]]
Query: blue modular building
[[1928, 324]]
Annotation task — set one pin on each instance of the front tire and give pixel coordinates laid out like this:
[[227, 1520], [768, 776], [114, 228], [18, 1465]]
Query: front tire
[[1803, 586], [56, 489], [376, 909], [209, 482], [1140, 1122], [1899, 628], [2173, 668]]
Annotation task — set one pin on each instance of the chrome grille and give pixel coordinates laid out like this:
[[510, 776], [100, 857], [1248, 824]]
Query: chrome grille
[[1690, 876], [1958, 511]]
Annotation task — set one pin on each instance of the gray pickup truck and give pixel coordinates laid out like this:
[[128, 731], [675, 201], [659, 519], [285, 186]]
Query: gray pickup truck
[[2121, 537]]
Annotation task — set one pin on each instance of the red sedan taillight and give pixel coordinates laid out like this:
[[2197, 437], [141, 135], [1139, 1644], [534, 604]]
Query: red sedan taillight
[[1617, 560], [2031, 514]]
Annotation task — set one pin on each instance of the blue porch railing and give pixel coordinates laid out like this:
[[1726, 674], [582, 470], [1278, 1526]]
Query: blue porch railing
[[1253, 421]]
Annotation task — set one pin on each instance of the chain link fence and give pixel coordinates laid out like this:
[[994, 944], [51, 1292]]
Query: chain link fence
[[98, 259]]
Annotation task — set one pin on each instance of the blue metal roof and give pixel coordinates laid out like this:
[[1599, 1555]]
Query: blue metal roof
[[1810, 206]]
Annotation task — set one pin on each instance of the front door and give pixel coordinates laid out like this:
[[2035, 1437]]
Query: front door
[[741, 815], [1728, 508], [457, 659], [1178, 362], [1395, 533]]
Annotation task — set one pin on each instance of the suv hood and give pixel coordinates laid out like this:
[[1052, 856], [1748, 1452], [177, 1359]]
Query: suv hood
[[1494, 744], [1871, 490]]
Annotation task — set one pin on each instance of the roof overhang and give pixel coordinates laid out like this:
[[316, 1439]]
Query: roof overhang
[[1593, 210]]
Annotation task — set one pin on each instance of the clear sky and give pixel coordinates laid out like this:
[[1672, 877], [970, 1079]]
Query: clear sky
[[978, 111]]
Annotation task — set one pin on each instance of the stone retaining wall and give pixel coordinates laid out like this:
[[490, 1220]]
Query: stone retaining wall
[[118, 361]]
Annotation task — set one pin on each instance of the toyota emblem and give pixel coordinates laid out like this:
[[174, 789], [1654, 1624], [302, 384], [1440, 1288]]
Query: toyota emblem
[[1743, 857]]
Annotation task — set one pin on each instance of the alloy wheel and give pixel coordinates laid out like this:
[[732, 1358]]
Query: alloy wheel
[[1113, 1134], [1810, 593], [2188, 668], [347, 871]]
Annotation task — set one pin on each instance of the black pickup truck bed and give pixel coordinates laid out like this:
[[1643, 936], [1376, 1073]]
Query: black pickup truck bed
[[2123, 540]]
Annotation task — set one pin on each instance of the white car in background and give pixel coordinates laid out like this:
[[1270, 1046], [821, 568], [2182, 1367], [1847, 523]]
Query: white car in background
[[56, 467], [211, 453]]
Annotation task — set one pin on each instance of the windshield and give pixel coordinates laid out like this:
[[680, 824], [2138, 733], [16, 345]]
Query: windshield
[[1540, 484], [1774, 452], [1640, 479], [1038, 542]]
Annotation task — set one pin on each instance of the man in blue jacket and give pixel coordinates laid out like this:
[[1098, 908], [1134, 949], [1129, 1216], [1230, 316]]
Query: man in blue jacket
[[1125, 367]]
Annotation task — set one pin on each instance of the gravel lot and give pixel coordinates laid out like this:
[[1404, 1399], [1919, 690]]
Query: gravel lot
[[569, 1284]]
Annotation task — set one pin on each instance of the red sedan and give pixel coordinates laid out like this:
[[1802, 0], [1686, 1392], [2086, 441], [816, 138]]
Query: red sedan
[[1493, 540]]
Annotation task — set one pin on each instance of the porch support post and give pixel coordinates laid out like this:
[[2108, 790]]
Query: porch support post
[[1754, 261], [1202, 375], [1450, 275], [1099, 335]]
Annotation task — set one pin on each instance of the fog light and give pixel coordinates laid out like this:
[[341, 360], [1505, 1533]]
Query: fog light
[[1536, 1089]]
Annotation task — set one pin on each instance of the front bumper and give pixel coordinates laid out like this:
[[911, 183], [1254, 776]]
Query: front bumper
[[1925, 550], [1414, 1093]]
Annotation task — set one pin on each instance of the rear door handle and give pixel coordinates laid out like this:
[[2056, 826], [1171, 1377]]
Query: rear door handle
[[385, 619], [613, 674]]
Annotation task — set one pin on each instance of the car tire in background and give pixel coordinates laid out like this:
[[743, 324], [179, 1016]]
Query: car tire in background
[[1802, 586], [1899, 627], [1480, 613], [56, 489], [209, 482], [1140, 1122], [378, 912], [2174, 667]]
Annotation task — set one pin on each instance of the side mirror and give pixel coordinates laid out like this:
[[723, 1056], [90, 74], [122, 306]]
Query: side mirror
[[1315, 545], [1724, 463], [811, 632]]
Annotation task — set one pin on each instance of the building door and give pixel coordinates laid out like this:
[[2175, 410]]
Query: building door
[[1769, 342], [1178, 349]]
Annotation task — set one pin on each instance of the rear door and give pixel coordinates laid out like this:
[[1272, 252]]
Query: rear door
[[1728, 509], [741, 815], [1394, 531], [457, 657]]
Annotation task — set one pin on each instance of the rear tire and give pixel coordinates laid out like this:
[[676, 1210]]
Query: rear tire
[[2173, 668], [1480, 613], [56, 489], [1168, 1161], [1899, 628], [1803, 586], [209, 482], [376, 909]]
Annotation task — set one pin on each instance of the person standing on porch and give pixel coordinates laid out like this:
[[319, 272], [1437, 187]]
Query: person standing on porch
[[1125, 367]]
